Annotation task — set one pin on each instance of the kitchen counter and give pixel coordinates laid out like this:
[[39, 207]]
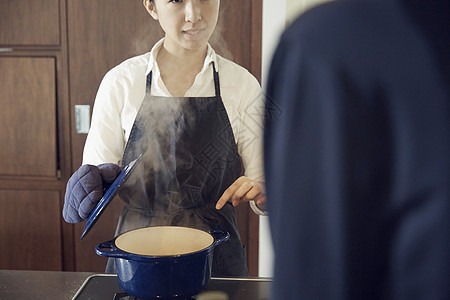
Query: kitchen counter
[[65, 285], [40, 284]]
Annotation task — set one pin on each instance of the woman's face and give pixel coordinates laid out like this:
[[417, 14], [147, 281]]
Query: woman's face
[[188, 24]]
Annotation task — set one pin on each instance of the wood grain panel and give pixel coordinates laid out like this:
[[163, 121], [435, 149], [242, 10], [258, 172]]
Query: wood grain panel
[[29, 23], [30, 230], [232, 37], [28, 116], [100, 36]]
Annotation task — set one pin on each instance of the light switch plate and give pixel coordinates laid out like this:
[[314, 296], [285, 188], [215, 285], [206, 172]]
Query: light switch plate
[[82, 118]]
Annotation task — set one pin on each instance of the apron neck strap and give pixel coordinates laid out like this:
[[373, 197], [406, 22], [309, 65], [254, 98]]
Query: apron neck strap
[[215, 74], [216, 80]]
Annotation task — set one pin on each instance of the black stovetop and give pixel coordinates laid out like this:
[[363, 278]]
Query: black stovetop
[[126, 296], [106, 286]]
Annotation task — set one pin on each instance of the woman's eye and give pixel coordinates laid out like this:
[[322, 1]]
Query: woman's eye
[[175, 1]]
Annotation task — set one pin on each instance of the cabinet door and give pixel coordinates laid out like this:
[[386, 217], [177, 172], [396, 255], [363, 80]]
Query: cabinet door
[[30, 230], [100, 37], [28, 117], [29, 23]]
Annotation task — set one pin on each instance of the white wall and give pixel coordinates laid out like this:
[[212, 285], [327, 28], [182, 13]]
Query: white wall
[[276, 14], [273, 22], [296, 7]]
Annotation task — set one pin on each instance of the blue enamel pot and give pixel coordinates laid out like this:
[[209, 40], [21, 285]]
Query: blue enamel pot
[[163, 262]]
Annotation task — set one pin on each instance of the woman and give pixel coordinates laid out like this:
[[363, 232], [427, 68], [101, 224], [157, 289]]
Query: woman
[[195, 117]]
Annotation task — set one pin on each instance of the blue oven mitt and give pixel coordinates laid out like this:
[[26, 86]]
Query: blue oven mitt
[[85, 189]]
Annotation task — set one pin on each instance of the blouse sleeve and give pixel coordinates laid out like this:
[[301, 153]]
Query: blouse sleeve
[[250, 136], [105, 140]]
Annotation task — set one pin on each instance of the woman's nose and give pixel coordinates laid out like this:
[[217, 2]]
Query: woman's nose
[[193, 11]]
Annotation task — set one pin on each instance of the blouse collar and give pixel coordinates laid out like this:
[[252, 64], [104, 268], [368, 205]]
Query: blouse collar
[[153, 65]]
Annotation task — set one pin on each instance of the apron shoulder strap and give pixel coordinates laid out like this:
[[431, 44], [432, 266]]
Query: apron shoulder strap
[[216, 80], [149, 83]]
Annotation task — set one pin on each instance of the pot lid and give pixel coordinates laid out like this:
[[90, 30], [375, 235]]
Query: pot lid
[[109, 195]]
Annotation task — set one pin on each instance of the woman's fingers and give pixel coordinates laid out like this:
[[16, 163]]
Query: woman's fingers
[[241, 192], [260, 201], [228, 193], [253, 192], [243, 189]]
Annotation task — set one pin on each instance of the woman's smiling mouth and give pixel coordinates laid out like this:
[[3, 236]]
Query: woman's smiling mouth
[[192, 32]]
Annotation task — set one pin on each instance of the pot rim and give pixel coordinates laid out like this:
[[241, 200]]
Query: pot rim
[[218, 236]]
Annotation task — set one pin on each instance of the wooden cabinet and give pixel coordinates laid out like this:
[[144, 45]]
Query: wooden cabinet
[[35, 145], [28, 117], [30, 23], [47, 46], [30, 231], [108, 35]]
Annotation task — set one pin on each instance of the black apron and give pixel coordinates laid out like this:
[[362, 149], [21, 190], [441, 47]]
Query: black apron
[[189, 159]]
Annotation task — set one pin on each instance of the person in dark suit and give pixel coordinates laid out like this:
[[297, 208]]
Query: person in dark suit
[[357, 152]]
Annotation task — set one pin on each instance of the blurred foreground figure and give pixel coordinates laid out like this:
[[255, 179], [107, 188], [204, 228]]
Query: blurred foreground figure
[[357, 152]]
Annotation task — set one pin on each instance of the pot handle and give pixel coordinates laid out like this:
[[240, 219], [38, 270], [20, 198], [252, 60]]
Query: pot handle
[[219, 236], [113, 252]]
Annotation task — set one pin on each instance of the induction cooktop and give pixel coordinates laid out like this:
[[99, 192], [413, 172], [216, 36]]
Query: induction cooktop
[[106, 286]]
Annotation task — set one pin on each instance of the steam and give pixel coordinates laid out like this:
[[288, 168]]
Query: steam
[[217, 40], [159, 136], [166, 122], [145, 38]]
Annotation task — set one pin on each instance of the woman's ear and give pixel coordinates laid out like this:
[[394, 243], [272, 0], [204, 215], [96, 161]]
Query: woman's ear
[[151, 9]]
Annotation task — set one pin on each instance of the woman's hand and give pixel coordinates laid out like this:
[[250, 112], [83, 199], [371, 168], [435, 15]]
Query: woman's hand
[[85, 189], [243, 190]]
